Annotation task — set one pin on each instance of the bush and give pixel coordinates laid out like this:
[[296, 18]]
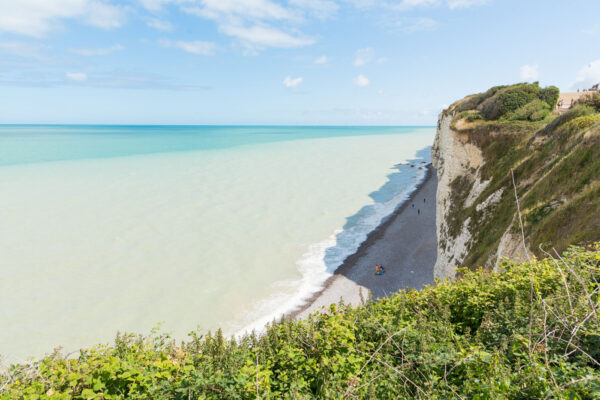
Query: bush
[[591, 99], [474, 116], [575, 112], [470, 102], [509, 99], [535, 110], [549, 95], [581, 123]]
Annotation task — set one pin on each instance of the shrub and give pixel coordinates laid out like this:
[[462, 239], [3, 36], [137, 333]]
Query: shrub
[[591, 99], [470, 102], [549, 95], [581, 123], [535, 110], [475, 116], [509, 99], [573, 113]]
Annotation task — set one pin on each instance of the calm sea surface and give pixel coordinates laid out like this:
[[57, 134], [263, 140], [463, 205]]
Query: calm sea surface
[[119, 228]]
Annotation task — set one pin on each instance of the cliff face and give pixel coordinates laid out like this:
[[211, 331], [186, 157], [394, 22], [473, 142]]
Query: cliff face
[[481, 142], [458, 160]]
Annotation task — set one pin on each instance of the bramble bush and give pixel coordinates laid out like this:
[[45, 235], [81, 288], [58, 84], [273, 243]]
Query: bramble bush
[[530, 331]]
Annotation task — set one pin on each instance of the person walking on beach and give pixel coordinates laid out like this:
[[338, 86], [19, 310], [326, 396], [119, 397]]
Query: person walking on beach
[[419, 211], [413, 205]]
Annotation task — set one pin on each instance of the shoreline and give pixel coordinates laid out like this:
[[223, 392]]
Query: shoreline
[[350, 270]]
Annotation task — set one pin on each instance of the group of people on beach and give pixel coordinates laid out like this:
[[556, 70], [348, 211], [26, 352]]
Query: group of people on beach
[[418, 209]]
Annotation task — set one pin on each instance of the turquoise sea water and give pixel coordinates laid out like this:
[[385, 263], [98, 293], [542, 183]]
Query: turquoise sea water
[[110, 228]]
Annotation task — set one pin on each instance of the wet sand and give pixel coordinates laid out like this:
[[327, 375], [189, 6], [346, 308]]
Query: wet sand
[[405, 244]]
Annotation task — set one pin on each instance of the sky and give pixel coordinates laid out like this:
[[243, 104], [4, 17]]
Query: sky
[[292, 62]]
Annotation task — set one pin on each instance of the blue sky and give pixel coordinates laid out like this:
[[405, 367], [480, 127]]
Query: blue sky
[[341, 62]]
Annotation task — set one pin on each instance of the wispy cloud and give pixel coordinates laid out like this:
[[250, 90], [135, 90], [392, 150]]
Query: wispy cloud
[[320, 8], [361, 81], [159, 24], [76, 76], [112, 79], [102, 51], [38, 17], [529, 73], [197, 47], [22, 49], [452, 4], [364, 56], [591, 30], [259, 36], [466, 3], [322, 60], [588, 75], [410, 25], [290, 82], [255, 23]]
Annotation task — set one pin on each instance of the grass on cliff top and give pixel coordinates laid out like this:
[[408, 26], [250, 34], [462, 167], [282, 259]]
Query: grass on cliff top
[[531, 331], [556, 162]]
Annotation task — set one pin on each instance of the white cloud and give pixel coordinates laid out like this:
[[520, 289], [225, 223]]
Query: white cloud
[[197, 47], [410, 4], [320, 8], [154, 5], [292, 82], [97, 51], [361, 81], [159, 24], [253, 22], [265, 36], [76, 76], [37, 17], [529, 73], [452, 4], [322, 60], [22, 49], [466, 3], [242, 9], [411, 25], [364, 56], [382, 60], [588, 76], [407, 4], [103, 15]]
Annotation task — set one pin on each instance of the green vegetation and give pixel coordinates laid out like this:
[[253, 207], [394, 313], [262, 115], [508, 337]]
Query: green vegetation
[[519, 101], [591, 100], [531, 331], [556, 164]]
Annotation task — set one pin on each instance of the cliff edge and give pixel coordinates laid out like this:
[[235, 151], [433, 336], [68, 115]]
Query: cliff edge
[[481, 142]]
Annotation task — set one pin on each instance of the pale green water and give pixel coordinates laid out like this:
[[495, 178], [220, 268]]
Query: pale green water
[[117, 228]]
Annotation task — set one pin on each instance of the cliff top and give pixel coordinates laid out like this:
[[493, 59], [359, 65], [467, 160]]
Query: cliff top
[[556, 164]]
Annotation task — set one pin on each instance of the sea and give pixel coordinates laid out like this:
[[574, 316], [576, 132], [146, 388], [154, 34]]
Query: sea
[[108, 229]]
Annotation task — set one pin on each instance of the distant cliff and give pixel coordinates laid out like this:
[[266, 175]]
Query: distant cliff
[[556, 166]]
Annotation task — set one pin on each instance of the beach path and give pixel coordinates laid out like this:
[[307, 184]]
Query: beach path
[[405, 244]]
